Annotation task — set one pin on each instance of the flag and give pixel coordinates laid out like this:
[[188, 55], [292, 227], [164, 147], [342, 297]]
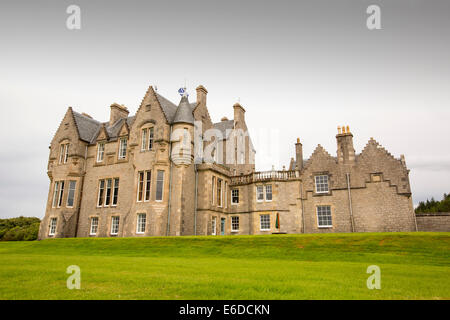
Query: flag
[[277, 221]]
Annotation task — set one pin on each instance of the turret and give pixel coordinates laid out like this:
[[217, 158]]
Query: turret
[[182, 133]]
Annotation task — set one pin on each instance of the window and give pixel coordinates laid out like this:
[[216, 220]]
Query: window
[[71, 195], [108, 192], [100, 151], [61, 193], [213, 187], [52, 227], [144, 183], [213, 226], [219, 192], [264, 222], [150, 138], [321, 184], [226, 194], [269, 192], [144, 139], [234, 223], [63, 153], [94, 226], [159, 185], [55, 194], [140, 185], [141, 220], [234, 196], [259, 193], [114, 225], [101, 191], [324, 216], [123, 148], [116, 192]]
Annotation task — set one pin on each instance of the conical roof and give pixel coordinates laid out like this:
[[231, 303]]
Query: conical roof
[[184, 112]]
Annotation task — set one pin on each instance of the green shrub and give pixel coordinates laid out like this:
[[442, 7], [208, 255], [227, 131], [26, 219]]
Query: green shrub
[[19, 229]]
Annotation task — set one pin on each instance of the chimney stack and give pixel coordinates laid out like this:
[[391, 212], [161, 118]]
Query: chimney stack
[[298, 155], [345, 150], [239, 113], [117, 112], [201, 95]]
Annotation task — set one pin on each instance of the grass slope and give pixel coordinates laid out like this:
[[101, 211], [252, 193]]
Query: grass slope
[[320, 266]]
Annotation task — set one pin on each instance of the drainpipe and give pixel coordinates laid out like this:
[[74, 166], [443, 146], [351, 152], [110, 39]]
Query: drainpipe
[[170, 182], [350, 202], [81, 191], [195, 200]]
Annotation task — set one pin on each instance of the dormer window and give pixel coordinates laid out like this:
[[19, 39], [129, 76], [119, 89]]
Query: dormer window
[[322, 184], [100, 151], [63, 153], [123, 148]]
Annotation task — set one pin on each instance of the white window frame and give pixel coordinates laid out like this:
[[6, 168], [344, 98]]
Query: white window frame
[[144, 139], [147, 184], [108, 187], [113, 224], [265, 192], [100, 151], [162, 186], [66, 152], [225, 190], [55, 194], [71, 191], [60, 194], [320, 184], [91, 232], [219, 192], [258, 193], [52, 226], [214, 226], [140, 186], [233, 223], [330, 214], [232, 197], [123, 148], [101, 196], [114, 195], [141, 223], [261, 222], [213, 183], [151, 138], [61, 153]]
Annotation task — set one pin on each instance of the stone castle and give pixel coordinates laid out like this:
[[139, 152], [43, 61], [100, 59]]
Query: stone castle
[[169, 170]]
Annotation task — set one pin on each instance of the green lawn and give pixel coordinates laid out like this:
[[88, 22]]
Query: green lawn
[[327, 266]]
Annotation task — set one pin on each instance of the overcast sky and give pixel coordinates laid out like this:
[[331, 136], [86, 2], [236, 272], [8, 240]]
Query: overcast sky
[[300, 69]]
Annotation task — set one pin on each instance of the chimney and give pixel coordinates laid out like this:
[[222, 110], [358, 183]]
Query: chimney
[[239, 112], [117, 112], [201, 95], [345, 150], [298, 155]]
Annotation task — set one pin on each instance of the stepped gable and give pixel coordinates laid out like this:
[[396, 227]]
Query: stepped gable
[[319, 154], [373, 146]]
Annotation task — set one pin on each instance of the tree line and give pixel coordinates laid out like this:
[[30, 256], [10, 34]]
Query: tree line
[[19, 229], [432, 205]]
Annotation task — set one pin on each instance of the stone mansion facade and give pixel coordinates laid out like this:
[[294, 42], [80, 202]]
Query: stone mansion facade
[[159, 172]]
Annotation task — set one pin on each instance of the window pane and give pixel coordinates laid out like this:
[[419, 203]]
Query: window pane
[[71, 195], [108, 192], [265, 222], [94, 225], [101, 190], [148, 177], [150, 139], [140, 185], [268, 192], [159, 185], [115, 225], [116, 191], [55, 194], [144, 139], [61, 193], [324, 216], [235, 223], [141, 221]]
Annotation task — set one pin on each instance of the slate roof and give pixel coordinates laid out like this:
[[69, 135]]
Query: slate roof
[[223, 126], [168, 107], [184, 112]]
